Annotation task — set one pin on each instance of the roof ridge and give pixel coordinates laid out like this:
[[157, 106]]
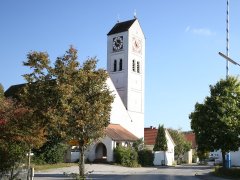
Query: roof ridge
[[121, 26]]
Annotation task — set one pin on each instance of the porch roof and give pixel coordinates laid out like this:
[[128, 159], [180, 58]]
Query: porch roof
[[118, 133]]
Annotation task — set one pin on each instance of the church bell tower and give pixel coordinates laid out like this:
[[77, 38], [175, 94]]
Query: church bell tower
[[126, 68]]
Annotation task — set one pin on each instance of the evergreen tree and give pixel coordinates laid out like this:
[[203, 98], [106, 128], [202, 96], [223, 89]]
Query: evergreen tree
[[161, 141]]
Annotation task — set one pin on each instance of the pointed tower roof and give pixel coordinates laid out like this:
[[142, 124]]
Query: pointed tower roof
[[121, 27]]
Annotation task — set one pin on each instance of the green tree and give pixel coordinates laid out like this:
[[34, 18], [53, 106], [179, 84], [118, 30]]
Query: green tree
[[161, 140], [77, 101], [139, 144], [182, 145], [1, 90], [12, 156], [202, 154], [16, 134], [53, 151], [216, 121]]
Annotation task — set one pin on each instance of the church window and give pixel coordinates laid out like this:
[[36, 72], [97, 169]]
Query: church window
[[120, 65], [115, 65], [133, 66], [138, 67]]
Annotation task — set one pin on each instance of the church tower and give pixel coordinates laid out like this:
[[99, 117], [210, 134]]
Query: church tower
[[126, 67]]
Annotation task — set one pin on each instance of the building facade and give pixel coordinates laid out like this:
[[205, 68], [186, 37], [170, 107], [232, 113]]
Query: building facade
[[126, 68]]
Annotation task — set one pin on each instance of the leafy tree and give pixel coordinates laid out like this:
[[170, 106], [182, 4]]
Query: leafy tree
[[202, 154], [51, 152], [16, 133], [216, 121], [1, 90], [13, 155], [161, 140], [77, 101], [139, 144], [182, 145]]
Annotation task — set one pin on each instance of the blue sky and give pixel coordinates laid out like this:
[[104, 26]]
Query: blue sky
[[183, 38]]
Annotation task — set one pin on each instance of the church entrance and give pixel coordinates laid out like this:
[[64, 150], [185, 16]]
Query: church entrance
[[100, 153]]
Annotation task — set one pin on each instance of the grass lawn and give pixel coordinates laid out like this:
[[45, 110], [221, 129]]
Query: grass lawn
[[53, 166]]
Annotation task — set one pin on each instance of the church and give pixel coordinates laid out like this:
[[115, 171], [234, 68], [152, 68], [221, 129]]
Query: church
[[126, 67]]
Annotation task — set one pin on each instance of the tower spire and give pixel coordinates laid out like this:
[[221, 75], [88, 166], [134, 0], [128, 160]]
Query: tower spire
[[135, 14], [118, 18]]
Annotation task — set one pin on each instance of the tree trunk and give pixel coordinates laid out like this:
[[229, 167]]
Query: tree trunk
[[81, 162], [164, 158], [223, 159], [11, 174], [29, 164]]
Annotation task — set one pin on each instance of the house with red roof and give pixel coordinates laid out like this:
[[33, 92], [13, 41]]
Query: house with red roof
[[190, 137], [160, 157], [188, 156]]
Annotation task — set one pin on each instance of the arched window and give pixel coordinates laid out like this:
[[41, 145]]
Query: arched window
[[138, 67], [115, 65], [133, 66], [120, 65]]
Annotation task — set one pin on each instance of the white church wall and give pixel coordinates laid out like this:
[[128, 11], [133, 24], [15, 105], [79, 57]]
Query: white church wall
[[129, 85], [128, 88], [136, 101], [137, 123], [91, 155], [119, 115], [136, 81], [110, 146]]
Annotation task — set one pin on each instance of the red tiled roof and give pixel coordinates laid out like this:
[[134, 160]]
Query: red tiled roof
[[190, 137], [117, 133], [150, 135]]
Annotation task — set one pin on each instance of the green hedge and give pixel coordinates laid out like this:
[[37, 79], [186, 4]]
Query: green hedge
[[50, 154], [145, 157], [126, 156]]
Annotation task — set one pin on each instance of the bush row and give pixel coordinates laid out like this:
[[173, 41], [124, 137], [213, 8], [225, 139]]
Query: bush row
[[127, 156]]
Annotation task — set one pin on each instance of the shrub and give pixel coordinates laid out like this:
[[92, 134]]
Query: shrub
[[194, 158], [50, 154], [12, 156], [55, 154], [126, 156], [229, 173], [145, 157]]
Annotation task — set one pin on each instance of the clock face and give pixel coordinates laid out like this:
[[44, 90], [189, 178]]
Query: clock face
[[118, 43], [137, 45]]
